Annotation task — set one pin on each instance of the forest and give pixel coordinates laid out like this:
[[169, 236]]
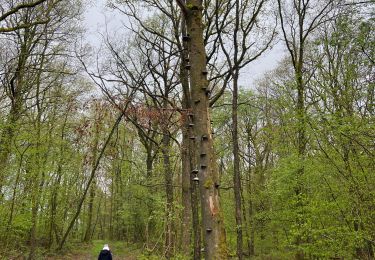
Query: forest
[[157, 138]]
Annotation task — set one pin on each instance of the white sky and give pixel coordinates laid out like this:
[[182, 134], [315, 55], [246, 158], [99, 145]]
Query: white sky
[[97, 16]]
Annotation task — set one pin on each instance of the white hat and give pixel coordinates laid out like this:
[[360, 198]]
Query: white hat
[[106, 247]]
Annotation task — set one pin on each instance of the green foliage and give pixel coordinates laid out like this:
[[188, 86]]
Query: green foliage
[[326, 210]]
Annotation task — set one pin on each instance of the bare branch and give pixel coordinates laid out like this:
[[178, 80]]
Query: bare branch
[[19, 7]]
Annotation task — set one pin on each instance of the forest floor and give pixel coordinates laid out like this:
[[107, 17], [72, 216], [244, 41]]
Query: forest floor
[[120, 251]]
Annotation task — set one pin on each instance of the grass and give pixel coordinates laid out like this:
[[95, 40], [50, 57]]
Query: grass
[[81, 251], [87, 251], [119, 249]]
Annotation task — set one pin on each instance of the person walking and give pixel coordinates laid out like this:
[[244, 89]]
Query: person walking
[[105, 254]]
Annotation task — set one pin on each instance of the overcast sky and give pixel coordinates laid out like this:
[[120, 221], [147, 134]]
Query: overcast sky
[[97, 16]]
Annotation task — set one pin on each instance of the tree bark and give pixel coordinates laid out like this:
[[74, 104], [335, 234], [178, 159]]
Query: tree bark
[[186, 193], [188, 221], [212, 219], [236, 168]]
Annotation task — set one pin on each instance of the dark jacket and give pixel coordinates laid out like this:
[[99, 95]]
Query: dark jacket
[[105, 255]]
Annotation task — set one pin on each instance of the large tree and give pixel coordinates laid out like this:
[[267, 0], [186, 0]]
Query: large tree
[[212, 217]]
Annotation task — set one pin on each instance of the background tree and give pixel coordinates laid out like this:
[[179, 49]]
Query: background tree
[[239, 50], [298, 21]]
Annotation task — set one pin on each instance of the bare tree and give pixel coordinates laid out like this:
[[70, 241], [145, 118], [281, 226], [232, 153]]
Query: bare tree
[[239, 50], [11, 9], [299, 19]]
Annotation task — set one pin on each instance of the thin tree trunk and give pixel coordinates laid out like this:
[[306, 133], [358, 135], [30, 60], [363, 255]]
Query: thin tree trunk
[[38, 182], [187, 222], [186, 194], [195, 203], [150, 206], [38, 175], [251, 199], [245, 221], [93, 185], [236, 168], [301, 143]]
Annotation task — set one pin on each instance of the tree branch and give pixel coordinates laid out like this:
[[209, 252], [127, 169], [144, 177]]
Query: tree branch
[[19, 7], [182, 5]]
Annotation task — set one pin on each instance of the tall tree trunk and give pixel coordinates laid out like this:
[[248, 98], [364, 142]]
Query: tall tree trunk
[[37, 171], [236, 167], [301, 146], [38, 183], [195, 203], [212, 218], [187, 222]]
